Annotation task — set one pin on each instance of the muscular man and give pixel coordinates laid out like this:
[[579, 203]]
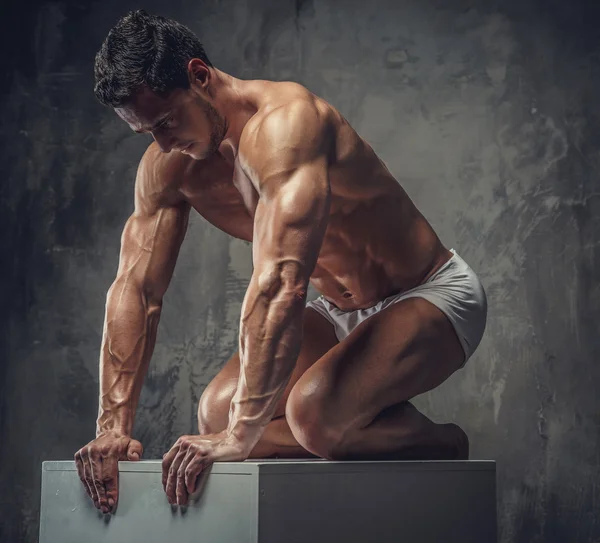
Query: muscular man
[[271, 163]]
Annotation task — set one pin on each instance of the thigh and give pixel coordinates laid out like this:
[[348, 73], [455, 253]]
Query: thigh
[[404, 350], [318, 338]]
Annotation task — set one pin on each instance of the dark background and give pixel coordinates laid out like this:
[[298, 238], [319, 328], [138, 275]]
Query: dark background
[[486, 112]]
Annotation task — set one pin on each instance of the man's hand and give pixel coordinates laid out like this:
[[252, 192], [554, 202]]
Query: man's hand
[[191, 455], [98, 467]]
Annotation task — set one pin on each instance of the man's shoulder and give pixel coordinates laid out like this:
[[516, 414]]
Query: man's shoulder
[[290, 126], [297, 112], [160, 177]]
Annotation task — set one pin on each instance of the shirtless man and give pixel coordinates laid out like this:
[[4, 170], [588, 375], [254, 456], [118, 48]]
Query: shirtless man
[[271, 163]]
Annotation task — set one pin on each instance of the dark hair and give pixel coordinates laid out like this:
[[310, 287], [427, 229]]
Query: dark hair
[[143, 49]]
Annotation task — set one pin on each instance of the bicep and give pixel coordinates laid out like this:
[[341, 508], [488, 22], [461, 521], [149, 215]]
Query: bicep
[[289, 226], [149, 247]]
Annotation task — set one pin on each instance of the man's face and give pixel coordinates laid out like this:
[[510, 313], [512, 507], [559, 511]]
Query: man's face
[[183, 122]]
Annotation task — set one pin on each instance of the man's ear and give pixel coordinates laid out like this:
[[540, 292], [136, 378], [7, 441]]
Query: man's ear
[[199, 73]]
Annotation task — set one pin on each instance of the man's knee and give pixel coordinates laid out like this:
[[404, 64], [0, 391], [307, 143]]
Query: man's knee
[[213, 407], [310, 424]]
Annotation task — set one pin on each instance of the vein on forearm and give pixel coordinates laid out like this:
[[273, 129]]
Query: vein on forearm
[[270, 340], [129, 333]]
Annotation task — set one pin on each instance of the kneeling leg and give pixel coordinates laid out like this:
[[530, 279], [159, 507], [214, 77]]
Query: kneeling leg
[[353, 402], [277, 439]]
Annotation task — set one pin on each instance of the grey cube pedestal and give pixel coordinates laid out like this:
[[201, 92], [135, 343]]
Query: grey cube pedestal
[[282, 501]]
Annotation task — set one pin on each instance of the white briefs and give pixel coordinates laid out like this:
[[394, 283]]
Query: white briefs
[[454, 289]]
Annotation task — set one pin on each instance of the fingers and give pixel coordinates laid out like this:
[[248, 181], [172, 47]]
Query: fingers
[[134, 450], [88, 477], [171, 488], [110, 480], [95, 463], [182, 489], [79, 464], [182, 466], [193, 470], [98, 467], [166, 463]]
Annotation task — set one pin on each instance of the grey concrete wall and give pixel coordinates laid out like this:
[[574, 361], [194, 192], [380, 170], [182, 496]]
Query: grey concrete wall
[[486, 112]]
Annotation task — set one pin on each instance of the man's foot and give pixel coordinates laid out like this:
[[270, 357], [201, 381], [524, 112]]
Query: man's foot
[[437, 441], [455, 440]]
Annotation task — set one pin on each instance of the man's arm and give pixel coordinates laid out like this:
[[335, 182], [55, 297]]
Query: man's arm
[[149, 247], [290, 160]]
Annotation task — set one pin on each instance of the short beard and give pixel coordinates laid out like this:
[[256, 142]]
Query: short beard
[[219, 128]]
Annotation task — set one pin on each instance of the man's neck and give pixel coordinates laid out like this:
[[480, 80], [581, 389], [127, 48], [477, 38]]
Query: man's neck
[[234, 100]]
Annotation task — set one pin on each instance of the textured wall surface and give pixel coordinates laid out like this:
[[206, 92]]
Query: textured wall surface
[[486, 112]]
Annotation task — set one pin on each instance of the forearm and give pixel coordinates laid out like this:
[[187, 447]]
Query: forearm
[[270, 340], [127, 344]]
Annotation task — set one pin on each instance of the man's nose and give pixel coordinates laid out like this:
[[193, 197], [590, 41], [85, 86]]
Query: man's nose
[[164, 142]]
